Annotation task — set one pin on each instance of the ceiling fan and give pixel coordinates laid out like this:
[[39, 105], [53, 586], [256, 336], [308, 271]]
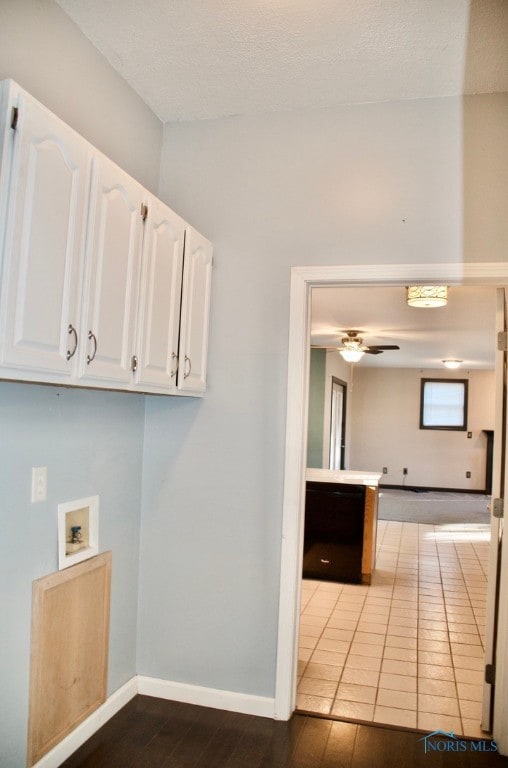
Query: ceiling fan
[[354, 348]]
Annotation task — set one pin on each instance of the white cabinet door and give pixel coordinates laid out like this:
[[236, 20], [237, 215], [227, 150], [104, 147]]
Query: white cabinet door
[[114, 238], [44, 240], [195, 314], [160, 296]]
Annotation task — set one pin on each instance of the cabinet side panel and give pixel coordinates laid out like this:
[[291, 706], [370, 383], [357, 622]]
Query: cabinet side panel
[[370, 534]]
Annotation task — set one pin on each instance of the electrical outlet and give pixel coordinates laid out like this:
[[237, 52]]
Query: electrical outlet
[[404, 471], [39, 484], [385, 470], [468, 474]]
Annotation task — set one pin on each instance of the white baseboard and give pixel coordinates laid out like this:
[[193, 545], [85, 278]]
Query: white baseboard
[[88, 727], [262, 706]]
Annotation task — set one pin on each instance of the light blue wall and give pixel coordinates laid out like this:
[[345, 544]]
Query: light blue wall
[[91, 443], [271, 192], [210, 549]]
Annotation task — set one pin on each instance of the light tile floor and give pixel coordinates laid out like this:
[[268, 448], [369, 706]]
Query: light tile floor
[[408, 649]]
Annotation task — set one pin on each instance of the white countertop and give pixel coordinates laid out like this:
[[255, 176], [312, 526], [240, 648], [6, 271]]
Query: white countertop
[[351, 476]]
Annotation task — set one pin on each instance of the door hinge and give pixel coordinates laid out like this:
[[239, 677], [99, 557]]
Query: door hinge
[[498, 508], [134, 363], [14, 118], [144, 211], [490, 674], [502, 341]]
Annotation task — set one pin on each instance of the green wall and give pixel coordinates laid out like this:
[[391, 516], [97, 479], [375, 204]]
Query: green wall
[[316, 408]]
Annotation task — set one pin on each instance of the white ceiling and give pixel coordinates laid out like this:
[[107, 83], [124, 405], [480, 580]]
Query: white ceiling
[[191, 60], [463, 330]]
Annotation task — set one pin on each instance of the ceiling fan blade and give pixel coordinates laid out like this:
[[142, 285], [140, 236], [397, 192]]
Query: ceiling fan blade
[[376, 349], [384, 346]]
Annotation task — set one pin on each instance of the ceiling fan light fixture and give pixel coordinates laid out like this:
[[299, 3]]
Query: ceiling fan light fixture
[[427, 296], [452, 364], [351, 355]]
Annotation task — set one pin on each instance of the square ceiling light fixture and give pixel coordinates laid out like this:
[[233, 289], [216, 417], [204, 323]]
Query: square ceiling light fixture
[[427, 296]]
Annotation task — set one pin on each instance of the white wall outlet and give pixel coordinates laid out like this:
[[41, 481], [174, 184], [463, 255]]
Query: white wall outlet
[[39, 484]]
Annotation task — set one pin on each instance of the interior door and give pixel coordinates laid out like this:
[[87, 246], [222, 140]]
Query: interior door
[[338, 424], [498, 492]]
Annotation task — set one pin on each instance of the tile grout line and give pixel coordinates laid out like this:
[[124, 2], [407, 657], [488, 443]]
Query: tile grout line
[[409, 552]]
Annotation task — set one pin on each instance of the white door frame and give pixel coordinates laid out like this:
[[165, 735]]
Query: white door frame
[[497, 492], [303, 279]]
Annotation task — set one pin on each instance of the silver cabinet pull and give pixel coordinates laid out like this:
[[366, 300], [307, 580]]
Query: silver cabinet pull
[[174, 356], [187, 373], [92, 337], [72, 331]]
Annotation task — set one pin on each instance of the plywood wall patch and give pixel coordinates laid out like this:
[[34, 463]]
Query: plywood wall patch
[[69, 651]]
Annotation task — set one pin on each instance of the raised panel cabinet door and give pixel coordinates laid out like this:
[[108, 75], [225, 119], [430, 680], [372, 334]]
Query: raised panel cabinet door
[[114, 240], [160, 296], [44, 242], [195, 314]]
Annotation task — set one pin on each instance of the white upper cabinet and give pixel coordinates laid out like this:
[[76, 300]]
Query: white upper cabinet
[[44, 239], [159, 299], [113, 255], [101, 284], [195, 314]]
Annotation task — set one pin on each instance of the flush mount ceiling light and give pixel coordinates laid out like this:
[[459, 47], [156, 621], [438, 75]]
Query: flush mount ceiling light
[[427, 296], [452, 363]]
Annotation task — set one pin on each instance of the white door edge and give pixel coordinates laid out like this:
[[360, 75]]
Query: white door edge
[[495, 528], [302, 280]]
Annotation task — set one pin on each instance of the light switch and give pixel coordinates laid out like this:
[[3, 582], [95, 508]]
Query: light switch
[[39, 484]]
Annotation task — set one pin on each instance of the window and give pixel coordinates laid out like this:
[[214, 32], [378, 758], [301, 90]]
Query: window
[[443, 404]]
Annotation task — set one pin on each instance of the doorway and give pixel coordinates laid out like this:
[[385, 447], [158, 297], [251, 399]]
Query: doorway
[[338, 424], [303, 279]]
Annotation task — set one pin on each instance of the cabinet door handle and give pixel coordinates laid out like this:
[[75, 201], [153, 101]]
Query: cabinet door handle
[[92, 337], [174, 356], [187, 373], [73, 331]]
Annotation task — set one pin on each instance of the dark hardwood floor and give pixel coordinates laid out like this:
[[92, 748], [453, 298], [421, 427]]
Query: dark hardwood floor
[[154, 733]]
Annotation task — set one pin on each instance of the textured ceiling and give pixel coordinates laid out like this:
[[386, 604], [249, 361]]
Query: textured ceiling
[[192, 60], [463, 330]]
